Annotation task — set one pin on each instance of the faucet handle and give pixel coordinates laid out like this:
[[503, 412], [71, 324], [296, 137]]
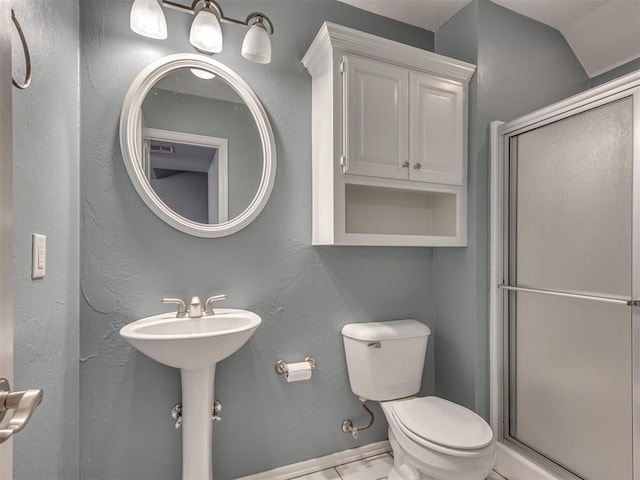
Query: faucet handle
[[208, 306], [182, 307]]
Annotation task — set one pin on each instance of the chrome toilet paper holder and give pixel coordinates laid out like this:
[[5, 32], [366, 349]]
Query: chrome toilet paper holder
[[282, 369]]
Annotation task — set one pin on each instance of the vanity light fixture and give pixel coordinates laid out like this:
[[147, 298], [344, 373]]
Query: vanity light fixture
[[206, 33], [256, 45], [147, 19]]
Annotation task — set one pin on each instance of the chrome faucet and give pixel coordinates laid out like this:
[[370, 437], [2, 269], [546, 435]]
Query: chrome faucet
[[195, 307]]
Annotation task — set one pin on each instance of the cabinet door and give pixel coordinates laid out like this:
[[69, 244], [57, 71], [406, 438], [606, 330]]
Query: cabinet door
[[376, 118], [436, 137]]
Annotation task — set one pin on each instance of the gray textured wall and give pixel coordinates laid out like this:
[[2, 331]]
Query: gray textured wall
[[614, 73], [46, 192], [523, 65], [130, 260]]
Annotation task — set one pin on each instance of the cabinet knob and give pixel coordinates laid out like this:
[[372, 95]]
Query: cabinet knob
[[405, 165], [417, 166]]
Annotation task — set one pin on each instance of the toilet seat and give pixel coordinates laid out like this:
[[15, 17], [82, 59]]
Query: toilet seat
[[440, 425]]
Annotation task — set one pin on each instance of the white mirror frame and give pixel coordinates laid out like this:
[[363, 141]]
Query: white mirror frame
[[131, 143]]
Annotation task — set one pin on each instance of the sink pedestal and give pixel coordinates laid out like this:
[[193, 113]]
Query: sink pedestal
[[197, 401], [194, 345]]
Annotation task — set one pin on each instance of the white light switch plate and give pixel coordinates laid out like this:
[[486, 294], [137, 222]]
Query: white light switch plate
[[39, 256]]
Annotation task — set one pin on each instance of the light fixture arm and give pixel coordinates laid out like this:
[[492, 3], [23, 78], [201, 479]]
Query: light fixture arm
[[214, 5], [261, 17]]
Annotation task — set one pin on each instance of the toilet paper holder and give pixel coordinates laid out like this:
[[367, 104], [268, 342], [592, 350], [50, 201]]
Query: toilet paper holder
[[281, 365]]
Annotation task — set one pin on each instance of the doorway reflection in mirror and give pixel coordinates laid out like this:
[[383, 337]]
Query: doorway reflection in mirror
[[186, 177]]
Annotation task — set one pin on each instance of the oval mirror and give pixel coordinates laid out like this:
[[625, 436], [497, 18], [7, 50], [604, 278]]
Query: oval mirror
[[197, 145]]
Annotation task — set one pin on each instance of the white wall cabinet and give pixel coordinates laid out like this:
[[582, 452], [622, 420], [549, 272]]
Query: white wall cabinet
[[389, 142], [436, 134], [376, 110]]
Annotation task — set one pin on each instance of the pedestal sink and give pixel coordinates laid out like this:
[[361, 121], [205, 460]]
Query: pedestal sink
[[194, 345]]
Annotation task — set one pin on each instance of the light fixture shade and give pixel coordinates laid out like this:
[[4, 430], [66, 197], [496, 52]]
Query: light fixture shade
[[147, 19], [257, 44], [206, 34]]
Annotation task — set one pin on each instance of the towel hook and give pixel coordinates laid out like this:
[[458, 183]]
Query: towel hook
[[27, 55]]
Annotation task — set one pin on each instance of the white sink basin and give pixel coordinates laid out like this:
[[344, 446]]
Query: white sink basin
[[192, 343]]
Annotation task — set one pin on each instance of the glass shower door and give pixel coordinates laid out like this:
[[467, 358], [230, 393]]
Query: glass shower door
[[570, 352]]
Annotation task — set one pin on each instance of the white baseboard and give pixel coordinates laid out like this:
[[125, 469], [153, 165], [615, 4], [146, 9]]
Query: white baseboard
[[316, 464]]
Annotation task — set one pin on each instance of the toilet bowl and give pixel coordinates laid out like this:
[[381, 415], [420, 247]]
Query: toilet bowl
[[431, 438], [438, 439]]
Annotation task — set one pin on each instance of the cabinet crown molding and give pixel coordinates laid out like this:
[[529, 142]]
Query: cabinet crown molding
[[333, 38]]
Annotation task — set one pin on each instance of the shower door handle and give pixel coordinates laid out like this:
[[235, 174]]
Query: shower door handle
[[24, 403], [578, 295]]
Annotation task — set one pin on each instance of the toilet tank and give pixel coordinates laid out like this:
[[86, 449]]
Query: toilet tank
[[385, 359]]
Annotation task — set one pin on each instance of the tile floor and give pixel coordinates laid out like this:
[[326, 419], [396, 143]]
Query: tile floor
[[372, 468]]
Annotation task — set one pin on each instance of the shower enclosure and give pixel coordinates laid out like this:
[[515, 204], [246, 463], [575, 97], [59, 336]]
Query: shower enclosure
[[565, 284]]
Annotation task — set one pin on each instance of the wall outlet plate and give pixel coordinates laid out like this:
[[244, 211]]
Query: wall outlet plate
[[39, 256]]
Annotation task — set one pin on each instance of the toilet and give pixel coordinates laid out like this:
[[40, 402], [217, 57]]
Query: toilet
[[432, 438]]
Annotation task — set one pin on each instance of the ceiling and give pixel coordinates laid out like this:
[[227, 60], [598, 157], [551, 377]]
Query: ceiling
[[603, 34], [428, 14]]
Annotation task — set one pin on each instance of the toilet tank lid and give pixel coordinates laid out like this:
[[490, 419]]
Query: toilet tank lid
[[377, 331]]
